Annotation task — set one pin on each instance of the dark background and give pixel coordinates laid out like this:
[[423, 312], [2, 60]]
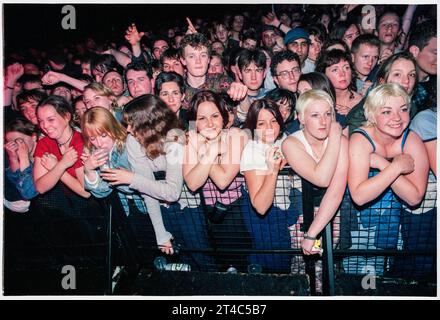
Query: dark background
[[27, 25], [39, 25]]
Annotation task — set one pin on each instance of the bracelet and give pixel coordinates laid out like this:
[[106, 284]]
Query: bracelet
[[279, 25], [307, 237], [10, 88]]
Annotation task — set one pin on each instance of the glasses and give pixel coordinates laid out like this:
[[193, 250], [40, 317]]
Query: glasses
[[389, 25], [285, 74]]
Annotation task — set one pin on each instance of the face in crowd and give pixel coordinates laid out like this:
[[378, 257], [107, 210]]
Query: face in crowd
[[172, 96], [339, 74], [209, 121], [114, 81], [287, 75], [138, 83], [365, 59], [196, 60], [267, 128]]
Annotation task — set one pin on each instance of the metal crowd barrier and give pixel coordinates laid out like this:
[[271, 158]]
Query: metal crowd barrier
[[219, 234]]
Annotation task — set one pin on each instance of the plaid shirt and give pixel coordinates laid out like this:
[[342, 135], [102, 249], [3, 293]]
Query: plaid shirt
[[214, 82]]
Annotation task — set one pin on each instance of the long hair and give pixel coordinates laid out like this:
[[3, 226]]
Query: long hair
[[97, 121], [254, 111], [384, 71], [153, 123]]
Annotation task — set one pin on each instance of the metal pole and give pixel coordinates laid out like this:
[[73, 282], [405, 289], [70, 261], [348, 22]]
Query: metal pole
[[328, 256], [109, 252]]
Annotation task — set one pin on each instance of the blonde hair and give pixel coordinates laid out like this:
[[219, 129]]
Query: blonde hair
[[309, 97], [379, 96], [104, 91], [99, 120]]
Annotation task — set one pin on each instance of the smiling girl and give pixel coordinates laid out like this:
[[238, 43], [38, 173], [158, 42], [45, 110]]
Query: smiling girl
[[386, 160], [57, 154]]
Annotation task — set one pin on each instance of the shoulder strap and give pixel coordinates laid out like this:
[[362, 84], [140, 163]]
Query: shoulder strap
[[366, 135], [405, 135]]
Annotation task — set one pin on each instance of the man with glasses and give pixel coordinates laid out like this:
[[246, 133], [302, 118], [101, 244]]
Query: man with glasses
[[285, 69], [297, 41]]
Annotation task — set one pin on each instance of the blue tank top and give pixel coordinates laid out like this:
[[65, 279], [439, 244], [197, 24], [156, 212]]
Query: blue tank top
[[384, 212]]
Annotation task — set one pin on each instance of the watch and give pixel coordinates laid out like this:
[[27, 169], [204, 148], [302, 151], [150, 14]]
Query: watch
[[307, 237]]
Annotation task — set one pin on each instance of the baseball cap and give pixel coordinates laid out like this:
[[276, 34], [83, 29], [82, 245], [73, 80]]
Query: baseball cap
[[267, 27], [294, 34]]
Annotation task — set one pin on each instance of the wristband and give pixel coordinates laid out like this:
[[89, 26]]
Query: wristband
[[279, 25], [10, 88]]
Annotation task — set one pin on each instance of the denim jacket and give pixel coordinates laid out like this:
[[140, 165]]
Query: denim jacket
[[23, 181], [101, 189]]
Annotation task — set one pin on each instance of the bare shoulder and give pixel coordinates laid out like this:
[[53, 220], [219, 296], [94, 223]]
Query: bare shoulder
[[359, 142], [413, 143], [290, 141]]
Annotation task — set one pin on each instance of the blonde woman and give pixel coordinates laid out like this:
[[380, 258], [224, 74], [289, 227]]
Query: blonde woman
[[98, 95], [386, 160], [319, 154]]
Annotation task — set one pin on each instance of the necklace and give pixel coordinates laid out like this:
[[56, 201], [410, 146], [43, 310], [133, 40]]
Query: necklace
[[68, 140]]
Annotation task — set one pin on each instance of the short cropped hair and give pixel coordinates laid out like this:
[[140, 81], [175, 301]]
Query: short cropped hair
[[366, 39], [379, 96], [308, 98]]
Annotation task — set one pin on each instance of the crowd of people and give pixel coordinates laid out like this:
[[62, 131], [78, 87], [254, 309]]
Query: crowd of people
[[222, 106]]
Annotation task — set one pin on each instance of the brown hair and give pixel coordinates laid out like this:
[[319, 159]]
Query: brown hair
[[152, 122]]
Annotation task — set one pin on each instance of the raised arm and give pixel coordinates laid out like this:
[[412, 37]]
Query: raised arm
[[121, 58], [52, 77], [13, 73], [406, 24], [272, 20], [321, 173], [134, 38]]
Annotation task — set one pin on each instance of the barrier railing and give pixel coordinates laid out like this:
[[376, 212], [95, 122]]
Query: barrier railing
[[220, 233]]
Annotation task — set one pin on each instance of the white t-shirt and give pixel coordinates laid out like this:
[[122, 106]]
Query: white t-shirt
[[254, 158]]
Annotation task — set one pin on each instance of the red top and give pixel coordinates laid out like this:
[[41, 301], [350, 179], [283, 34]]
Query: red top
[[49, 145]]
